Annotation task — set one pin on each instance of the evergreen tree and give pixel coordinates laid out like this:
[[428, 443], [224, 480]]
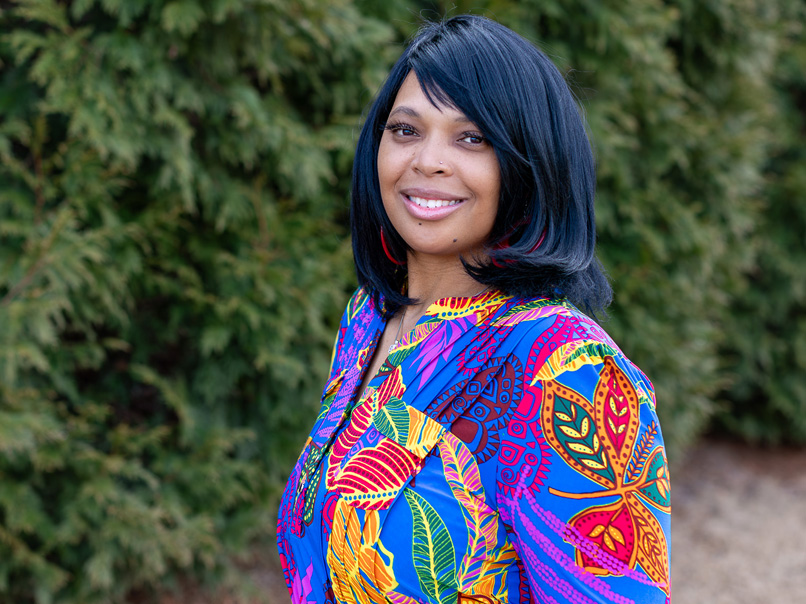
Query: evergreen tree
[[173, 179], [174, 250], [679, 106], [765, 400]]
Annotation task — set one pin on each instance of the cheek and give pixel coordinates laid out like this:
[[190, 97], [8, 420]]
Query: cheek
[[491, 184], [389, 162]]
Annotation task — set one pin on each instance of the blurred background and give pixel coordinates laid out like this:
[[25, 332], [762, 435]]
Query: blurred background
[[174, 258]]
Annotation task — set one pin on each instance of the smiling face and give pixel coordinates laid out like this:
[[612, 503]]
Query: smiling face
[[439, 177]]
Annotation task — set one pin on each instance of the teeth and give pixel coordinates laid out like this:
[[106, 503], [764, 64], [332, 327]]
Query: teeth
[[433, 203]]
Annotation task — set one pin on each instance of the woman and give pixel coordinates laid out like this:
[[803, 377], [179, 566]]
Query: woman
[[480, 439]]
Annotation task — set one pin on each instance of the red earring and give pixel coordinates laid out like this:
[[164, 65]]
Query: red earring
[[386, 251]]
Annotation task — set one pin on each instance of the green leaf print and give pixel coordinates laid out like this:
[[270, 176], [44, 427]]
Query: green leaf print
[[393, 421], [432, 550]]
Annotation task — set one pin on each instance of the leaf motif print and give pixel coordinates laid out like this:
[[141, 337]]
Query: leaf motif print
[[330, 393], [375, 561], [373, 477], [480, 306], [391, 388], [356, 558], [424, 433], [409, 427], [359, 422], [356, 303], [393, 421], [410, 342], [572, 356], [531, 311], [310, 469], [492, 578], [461, 469], [432, 550], [398, 598], [625, 532], [462, 474], [654, 481], [616, 406], [641, 453], [652, 546], [568, 425], [440, 344], [611, 527], [342, 554]]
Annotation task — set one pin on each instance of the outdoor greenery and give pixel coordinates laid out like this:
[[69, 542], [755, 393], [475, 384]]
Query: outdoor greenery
[[174, 251]]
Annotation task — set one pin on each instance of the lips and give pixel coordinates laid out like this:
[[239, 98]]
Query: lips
[[430, 205]]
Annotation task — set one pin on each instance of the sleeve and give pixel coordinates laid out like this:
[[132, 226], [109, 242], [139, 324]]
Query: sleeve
[[357, 300], [582, 483]]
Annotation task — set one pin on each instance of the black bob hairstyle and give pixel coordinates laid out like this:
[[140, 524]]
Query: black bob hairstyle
[[519, 100]]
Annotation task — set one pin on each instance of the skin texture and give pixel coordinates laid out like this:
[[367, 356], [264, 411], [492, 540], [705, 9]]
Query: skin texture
[[437, 153]]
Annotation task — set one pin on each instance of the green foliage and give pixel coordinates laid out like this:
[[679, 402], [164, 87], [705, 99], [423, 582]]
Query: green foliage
[[174, 254], [172, 175], [678, 103], [766, 399]]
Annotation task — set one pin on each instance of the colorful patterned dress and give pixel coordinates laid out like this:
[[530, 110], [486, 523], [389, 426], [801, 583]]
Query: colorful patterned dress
[[507, 451]]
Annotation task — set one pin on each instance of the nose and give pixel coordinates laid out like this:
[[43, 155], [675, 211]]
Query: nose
[[432, 158]]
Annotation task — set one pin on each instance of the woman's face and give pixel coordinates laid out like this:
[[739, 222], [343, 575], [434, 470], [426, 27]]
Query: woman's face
[[439, 177]]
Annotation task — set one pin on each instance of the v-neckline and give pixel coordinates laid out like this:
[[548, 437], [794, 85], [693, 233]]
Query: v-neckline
[[431, 313]]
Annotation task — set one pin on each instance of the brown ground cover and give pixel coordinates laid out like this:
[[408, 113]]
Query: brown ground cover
[[739, 526]]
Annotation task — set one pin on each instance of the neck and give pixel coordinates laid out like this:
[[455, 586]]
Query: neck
[[431, 279]]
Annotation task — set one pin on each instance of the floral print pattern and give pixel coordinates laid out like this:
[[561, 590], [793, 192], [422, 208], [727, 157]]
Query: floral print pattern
[[507, 451]]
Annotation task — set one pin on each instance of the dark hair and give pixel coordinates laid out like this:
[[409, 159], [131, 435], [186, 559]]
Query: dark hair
[[519, 100]]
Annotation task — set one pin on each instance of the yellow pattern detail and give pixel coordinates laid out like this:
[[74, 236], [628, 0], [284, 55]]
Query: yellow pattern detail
[[492, 580], [424, 433], [559, 362], [360, 567]]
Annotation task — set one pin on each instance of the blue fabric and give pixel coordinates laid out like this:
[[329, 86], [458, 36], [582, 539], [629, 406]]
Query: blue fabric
[[506, 451]]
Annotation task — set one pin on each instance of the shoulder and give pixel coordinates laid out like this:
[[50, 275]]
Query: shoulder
[[360, 302], [563, 345], [535, 314]]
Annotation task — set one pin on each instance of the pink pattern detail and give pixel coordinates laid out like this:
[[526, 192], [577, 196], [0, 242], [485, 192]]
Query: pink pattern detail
[[565, 330], [481, 349], [570, 534], [531, 315], [346, 393], [549, 577], [439, 344], [301, 587], [514, 458]]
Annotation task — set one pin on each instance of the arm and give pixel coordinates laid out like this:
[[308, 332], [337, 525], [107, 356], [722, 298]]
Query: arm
[[582, 481]]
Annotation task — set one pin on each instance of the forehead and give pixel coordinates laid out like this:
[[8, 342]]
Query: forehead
[[412, 100]]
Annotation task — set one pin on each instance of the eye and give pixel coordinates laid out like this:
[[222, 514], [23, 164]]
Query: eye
[[473, 138], [399, 129]]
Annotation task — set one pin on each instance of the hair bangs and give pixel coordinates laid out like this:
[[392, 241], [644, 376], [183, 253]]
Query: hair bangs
[[543, 238]]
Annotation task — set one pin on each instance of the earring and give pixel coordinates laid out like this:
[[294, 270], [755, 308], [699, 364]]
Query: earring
[[386, 251]]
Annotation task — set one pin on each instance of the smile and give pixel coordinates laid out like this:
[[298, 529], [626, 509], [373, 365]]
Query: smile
[[433, 203]]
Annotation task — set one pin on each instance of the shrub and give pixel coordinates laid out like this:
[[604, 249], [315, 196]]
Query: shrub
[[173, 176]]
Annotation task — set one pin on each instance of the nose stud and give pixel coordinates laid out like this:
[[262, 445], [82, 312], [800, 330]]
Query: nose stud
[[440, 163]]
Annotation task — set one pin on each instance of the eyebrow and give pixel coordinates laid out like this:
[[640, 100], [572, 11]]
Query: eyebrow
[[412, 113]]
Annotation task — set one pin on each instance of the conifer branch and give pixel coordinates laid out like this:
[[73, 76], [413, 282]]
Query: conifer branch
[[32, 271]]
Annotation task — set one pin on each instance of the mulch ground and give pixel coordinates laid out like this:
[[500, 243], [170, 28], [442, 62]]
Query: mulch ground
[[739, 526]]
